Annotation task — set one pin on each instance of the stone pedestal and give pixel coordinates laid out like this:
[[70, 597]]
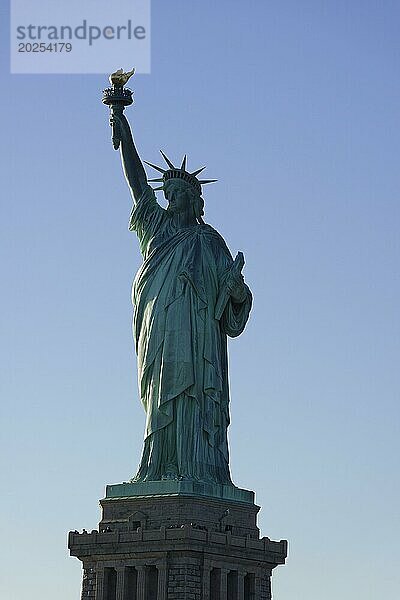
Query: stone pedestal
[[177, 544]]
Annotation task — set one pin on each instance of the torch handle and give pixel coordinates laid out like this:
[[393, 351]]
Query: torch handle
[[116, 138], [116, 132]]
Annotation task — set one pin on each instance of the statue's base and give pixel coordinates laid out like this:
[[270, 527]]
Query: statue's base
[[179, 488], [171, 540]]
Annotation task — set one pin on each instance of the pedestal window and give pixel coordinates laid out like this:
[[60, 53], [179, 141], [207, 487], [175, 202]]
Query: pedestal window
[[249, 587], [110, 584]]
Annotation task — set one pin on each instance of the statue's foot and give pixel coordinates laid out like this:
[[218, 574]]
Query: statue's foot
[[170, 473], [170, 476]]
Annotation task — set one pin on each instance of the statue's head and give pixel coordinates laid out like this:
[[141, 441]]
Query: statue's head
[[183, 197], [181, 188]]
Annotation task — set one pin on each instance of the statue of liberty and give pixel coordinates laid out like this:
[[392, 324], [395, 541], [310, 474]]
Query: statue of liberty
[[188, 296]]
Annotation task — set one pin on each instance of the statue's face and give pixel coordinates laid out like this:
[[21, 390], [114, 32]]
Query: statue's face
[[178, 196]]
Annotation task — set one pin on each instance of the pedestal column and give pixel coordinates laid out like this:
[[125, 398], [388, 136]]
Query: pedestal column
[[141, 582], [223, 586], [241, 576], [120, 583], [206, 581], [162, 582], [99, 583]]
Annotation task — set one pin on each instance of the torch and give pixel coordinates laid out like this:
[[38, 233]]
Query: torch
[[117, 97]]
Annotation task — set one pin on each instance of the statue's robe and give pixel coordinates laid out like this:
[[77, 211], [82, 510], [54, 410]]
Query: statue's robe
[[181, 346]]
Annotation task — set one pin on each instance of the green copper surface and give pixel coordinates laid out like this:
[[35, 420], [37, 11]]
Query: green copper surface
[[188, 296]]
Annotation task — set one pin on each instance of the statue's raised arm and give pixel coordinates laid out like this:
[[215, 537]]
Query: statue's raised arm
[[117, 97], [131, 162]]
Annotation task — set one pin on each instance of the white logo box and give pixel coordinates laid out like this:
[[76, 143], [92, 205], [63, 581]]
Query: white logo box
[[79, 36]]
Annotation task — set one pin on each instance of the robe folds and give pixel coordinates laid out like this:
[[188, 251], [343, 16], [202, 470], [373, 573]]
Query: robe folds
[[181, 346]]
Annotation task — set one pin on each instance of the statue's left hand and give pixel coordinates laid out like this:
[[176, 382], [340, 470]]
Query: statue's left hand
[[236, 287]]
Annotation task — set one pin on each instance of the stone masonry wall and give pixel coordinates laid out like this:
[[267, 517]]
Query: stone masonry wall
[[184, 582], [264, 586], [89, 584]]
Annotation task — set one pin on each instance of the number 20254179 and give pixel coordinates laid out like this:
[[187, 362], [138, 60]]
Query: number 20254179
[[43, 47]]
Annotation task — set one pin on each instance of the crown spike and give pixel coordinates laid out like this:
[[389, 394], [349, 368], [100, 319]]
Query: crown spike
[[169, 163], [154, 167], [202, 181], [156, 179], [183, 165], [197, 172]]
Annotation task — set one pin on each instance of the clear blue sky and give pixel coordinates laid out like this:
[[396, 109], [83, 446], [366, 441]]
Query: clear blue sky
[[294, 107]]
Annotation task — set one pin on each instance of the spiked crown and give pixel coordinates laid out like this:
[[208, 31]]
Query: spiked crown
[[179, 173]]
